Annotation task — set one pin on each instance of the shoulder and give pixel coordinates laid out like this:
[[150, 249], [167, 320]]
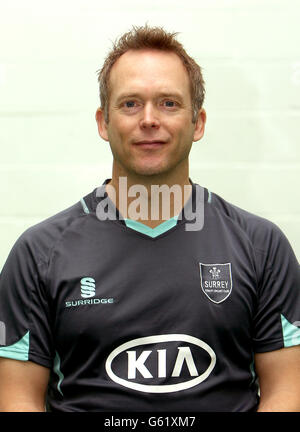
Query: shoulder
[[265, 236], [38, 240]]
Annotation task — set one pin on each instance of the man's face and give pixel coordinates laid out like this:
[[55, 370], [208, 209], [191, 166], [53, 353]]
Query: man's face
[[150, 127]]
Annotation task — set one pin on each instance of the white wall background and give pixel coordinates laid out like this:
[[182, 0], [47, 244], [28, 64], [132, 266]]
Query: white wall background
[[51, 154]]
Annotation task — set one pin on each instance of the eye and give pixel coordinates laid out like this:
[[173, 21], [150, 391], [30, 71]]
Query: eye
[[169, 103], [129, 104]]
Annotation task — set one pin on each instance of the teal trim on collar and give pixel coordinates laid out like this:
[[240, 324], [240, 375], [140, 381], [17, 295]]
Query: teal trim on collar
[[18, 350], [291, 333], [151, 232], [84, 206], [209, 196]]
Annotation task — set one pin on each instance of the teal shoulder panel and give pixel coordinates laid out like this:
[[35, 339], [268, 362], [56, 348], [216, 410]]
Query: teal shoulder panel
[[18, 350], [291, 333]]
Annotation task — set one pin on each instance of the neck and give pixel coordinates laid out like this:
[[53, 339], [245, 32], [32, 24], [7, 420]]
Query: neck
[[150, 199]]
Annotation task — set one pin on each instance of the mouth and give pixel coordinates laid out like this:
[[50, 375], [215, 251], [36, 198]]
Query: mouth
[[150, 144]]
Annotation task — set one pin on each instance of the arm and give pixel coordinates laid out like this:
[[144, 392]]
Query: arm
[[279, 379], [23, 385]]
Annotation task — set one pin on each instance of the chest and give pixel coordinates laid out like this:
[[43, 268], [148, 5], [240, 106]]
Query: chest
[[141, 287]]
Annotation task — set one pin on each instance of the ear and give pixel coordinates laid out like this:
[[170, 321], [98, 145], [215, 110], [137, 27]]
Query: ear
[[101, 123], [200, 125]]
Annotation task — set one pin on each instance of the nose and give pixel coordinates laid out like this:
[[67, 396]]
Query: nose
[[149, 118]]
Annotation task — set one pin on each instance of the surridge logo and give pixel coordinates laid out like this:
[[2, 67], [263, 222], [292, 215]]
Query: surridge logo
[[88, 290], [88, 287], [173, 362]]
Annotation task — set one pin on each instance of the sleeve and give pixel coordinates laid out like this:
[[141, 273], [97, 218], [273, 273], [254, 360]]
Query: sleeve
[[277, 316], [25, 316]]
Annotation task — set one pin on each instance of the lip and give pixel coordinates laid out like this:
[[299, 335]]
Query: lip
[[150, 143]]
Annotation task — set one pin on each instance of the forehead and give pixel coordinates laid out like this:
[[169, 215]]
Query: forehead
[[148, 70]]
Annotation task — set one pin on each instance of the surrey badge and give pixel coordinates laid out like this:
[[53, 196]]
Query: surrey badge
[[216, 281]]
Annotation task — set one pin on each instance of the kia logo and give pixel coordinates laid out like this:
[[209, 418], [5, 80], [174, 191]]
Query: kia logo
[[136, 360]]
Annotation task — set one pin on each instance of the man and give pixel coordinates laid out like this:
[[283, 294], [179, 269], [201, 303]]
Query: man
[[111, 306]]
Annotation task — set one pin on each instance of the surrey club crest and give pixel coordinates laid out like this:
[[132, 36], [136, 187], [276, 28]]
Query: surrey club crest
[[216, 281]]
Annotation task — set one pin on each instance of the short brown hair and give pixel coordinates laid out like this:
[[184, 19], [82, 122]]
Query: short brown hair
[[151, 38]]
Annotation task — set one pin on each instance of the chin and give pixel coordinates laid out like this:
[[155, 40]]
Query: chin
[[152, 166], [150, 171]]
